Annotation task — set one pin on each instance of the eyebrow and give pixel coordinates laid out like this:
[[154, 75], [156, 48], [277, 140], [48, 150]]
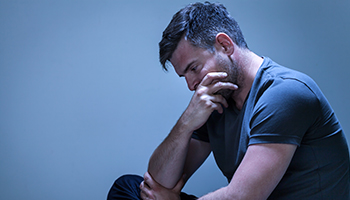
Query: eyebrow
[[187, 68]]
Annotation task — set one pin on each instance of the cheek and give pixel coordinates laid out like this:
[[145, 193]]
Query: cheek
[[200, 76]]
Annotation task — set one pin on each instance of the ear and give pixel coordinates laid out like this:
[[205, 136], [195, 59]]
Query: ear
[[224, 43]]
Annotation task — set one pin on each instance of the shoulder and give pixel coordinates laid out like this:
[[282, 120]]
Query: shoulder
[[282, 106], [286, 91], [275, 83]]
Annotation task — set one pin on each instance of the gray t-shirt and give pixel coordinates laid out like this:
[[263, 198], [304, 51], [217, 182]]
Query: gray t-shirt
[[285, 106]]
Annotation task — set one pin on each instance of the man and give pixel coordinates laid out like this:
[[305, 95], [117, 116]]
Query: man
[[271, 130]]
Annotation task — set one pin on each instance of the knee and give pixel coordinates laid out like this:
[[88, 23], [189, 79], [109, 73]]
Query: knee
[[128, 180], [125, 187]]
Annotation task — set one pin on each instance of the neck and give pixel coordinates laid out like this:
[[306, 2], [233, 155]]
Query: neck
[[250, 64]]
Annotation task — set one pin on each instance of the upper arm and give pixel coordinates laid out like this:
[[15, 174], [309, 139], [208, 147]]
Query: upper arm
[[261, 169], [197, 153]]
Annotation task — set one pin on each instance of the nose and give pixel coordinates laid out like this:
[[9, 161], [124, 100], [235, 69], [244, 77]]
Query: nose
[[192, 83]]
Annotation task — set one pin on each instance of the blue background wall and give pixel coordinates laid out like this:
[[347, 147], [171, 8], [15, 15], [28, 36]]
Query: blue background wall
[[83, 98]]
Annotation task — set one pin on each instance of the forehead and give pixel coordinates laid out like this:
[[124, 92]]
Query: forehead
[[184, 54]]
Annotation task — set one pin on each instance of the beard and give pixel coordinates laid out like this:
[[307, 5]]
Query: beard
[[234, 75]]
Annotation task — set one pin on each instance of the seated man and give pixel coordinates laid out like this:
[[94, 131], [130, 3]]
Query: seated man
[[271, 130]]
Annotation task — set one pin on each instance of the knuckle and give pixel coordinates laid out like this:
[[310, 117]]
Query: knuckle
[[203, 100], [208, 104], [219, 84], [200, 91]]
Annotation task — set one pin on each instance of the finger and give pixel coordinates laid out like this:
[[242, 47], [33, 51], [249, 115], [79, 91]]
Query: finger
[[143, 195], [219, 99], [217, 103], [142, 188], [149, 180], [218, 107], [222, 85], [210, 77], [145, 185], [145, 191]]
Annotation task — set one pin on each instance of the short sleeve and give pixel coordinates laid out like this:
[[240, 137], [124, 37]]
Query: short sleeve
[[283, 113]]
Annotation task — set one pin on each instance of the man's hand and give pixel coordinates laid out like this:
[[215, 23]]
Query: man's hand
[[205, 100], [151, 190]]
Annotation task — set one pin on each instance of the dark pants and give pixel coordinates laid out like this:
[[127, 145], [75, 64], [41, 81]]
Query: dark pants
[[128, 187]]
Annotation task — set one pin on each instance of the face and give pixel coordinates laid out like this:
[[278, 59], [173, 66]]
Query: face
[[194, 63]]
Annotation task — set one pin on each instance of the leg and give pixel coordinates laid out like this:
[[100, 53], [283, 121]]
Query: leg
[[126, 187]]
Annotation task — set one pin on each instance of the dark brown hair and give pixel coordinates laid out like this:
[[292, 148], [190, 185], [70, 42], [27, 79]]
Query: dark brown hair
[[199, 23]]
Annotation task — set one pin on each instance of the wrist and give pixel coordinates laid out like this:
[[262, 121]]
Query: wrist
[[183, 125]]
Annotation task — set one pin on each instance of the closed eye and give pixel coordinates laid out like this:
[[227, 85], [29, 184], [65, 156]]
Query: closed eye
[[194, 68]]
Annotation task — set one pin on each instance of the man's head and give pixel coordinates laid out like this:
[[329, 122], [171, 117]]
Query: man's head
[[199, 23]]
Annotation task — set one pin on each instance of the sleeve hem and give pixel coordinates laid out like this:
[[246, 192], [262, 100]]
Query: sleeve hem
[[274, 138]]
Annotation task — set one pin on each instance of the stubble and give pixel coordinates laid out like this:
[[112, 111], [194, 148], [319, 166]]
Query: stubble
[[234, 75]]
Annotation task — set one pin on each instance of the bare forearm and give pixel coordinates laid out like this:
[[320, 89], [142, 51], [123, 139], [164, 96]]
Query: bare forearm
[[226, 193], [260, 171], [167, 161], [221, 193]]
